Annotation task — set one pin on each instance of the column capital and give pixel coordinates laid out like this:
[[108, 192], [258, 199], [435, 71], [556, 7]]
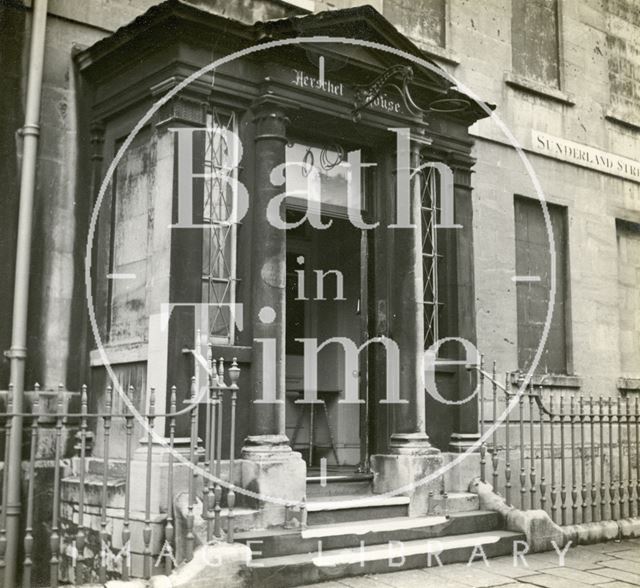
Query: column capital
[[182, 111], [270, 115]]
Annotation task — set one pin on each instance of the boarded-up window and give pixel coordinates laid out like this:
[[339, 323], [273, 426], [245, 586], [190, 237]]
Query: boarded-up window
[[533, 283], [132, 214], [623, 54], [424, 20], [629, 297], [534, 40]]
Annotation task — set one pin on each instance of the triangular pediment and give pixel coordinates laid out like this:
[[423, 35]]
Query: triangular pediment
[[177, 21]]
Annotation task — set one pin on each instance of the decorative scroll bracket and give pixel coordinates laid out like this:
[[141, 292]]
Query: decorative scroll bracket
[[366, 95]]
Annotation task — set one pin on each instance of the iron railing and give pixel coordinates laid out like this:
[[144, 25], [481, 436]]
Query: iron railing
[[54, 429], [576, 457]]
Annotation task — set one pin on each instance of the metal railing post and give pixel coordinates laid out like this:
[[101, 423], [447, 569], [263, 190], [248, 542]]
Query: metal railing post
[[494, 455], [523, 475], [583, 463], [507, 450], [28, 534], [80, 535], [234, 374], [543, 480], [629, 460], [169, 529], [54, 538], [637, 457], [189, 519], [126, 524], [603, 487], [612, 467], [146, 531], [621, 484], [217, 531], [483, 445], [594, 486], [554, 487], [532, 463], [105, 477], [574, 486]]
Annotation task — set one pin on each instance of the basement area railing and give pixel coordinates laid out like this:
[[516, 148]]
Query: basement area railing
[[576, 457], [87, 515]]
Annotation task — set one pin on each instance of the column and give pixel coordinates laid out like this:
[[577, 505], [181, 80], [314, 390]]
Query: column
[[465, 429], [270, 469], [407, 330], [268, 274]]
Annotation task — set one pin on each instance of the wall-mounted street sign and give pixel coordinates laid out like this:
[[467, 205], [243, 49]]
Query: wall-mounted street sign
[[585, 156]]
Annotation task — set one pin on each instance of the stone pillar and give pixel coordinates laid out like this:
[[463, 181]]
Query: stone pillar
[[412, 458], [270, 469], [465, 430], [268, 271], [409, 433]]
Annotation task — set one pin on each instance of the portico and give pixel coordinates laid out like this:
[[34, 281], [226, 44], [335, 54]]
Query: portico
[[394, 283]]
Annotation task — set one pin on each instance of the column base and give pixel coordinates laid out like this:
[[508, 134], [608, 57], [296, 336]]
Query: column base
[[275, 473], [459, 477], [269, 447], [392, 472], [461, 442], [411, 444]]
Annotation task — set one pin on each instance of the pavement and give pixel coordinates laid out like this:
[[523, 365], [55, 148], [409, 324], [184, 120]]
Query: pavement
[[610, 565]]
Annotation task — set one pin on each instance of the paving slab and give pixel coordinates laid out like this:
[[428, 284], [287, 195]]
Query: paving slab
[[574, 575], [549, 581], [476, 575], [416, 579], [610, 547], [614, 574], [632, 554], [325, 585], [505, 567], [621, 564], [574, 557], [605, 565], [538, 561], [362, 582]]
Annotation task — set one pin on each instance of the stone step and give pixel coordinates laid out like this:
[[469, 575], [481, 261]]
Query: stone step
[[336, 485], [455, 502], [308, 568], [93, 485], [346, 508], [273, 543]]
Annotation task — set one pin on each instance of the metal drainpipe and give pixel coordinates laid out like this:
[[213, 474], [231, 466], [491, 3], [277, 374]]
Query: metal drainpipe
[[18, 351]]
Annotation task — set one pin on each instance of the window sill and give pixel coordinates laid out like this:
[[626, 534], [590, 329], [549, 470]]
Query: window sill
[[538, 89], [551, 380], [120, 353], [622, 120], [626, 385]]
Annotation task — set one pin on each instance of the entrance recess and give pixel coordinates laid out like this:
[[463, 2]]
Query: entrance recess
[[326, 298]]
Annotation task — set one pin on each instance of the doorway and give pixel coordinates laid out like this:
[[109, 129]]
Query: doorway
[[325, 298]]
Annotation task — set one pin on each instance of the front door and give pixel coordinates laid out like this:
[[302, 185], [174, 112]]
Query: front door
[[326, 298]]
